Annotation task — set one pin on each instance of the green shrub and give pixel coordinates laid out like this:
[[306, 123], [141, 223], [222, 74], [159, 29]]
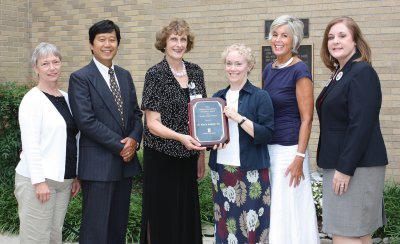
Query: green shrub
[[392, 210], [10, 145], [316, 187], [72, 220], [206, 200], [9, 222]]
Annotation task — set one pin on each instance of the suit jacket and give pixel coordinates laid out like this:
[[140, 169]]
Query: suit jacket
[[350, 134], [96, 115]]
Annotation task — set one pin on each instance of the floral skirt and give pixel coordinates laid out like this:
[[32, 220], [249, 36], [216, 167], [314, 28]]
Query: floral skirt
[[241, 205]]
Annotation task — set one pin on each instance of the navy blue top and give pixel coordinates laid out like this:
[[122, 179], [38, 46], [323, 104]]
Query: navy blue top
[[255, 104], [281, 86]]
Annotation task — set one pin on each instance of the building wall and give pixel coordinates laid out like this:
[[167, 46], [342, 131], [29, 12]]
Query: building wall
[[216, 24], [14, 40]]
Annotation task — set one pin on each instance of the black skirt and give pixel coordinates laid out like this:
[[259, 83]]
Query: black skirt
[[170, 206]]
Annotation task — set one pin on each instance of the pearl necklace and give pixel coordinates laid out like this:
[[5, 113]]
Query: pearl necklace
[[281, 66], [181, 73]]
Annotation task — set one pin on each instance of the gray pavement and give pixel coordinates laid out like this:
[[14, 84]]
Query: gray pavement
[[8, 239], [207, 230]]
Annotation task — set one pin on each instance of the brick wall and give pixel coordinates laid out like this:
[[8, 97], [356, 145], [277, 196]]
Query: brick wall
[[14, 41], [216, 24]]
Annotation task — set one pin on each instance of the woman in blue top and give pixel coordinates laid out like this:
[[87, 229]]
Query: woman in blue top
[[239, 171], [288, 82]]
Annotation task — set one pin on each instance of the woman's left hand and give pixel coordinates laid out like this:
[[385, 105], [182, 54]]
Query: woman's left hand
[[296, 172], [340, 182], [76, 187]]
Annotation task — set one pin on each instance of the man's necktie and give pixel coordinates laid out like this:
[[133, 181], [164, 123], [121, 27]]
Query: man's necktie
[[116, 94]]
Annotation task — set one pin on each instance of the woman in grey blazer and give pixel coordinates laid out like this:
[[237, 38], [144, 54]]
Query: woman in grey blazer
[[351, 149]]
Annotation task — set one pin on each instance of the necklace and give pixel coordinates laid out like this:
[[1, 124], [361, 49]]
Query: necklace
[[281, 66], [53, 92], [180, 73]]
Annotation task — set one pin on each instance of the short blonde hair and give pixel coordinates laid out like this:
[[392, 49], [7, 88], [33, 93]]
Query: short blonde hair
[[243, 50]]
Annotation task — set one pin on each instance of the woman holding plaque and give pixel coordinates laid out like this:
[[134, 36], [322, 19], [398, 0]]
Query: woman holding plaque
[[173, 160], [239, 169], [288, 82], [351, 150]]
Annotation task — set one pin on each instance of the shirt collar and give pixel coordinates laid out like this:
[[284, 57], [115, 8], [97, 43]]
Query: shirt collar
[[246, 88], [102, 68]]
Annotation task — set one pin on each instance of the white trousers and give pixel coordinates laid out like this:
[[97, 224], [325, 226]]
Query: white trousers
[[293, 217], [41, 223]]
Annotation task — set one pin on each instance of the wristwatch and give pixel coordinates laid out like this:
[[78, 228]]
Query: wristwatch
[[243, 120]]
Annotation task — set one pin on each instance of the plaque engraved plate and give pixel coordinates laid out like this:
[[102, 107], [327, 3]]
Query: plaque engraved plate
[[207, 122]]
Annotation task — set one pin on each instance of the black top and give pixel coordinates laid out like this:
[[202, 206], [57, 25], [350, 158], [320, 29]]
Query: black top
[[163, 94], [72, 131]]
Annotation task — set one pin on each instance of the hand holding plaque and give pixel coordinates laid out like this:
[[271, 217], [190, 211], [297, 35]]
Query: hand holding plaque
[[207, 122]]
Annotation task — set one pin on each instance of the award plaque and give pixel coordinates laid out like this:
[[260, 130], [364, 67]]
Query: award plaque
[[207, 122]]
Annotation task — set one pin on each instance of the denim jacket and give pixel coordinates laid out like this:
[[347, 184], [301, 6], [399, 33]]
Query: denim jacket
[[255, 104]]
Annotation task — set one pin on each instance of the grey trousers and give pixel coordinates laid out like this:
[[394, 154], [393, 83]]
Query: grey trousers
[[41, 223]]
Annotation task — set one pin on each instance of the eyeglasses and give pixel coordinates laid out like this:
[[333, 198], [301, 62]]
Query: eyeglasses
[[47, 65]]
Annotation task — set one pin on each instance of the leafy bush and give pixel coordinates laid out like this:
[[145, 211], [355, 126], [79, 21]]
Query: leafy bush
[[392, 210], [206, 200], [10, 97], [316, 187], [10, 145]]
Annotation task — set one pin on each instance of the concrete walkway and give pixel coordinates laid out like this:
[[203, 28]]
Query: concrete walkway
[[208, 230], [7, 239]]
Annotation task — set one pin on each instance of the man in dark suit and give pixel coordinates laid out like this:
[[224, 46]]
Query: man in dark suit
[[104, 104]]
